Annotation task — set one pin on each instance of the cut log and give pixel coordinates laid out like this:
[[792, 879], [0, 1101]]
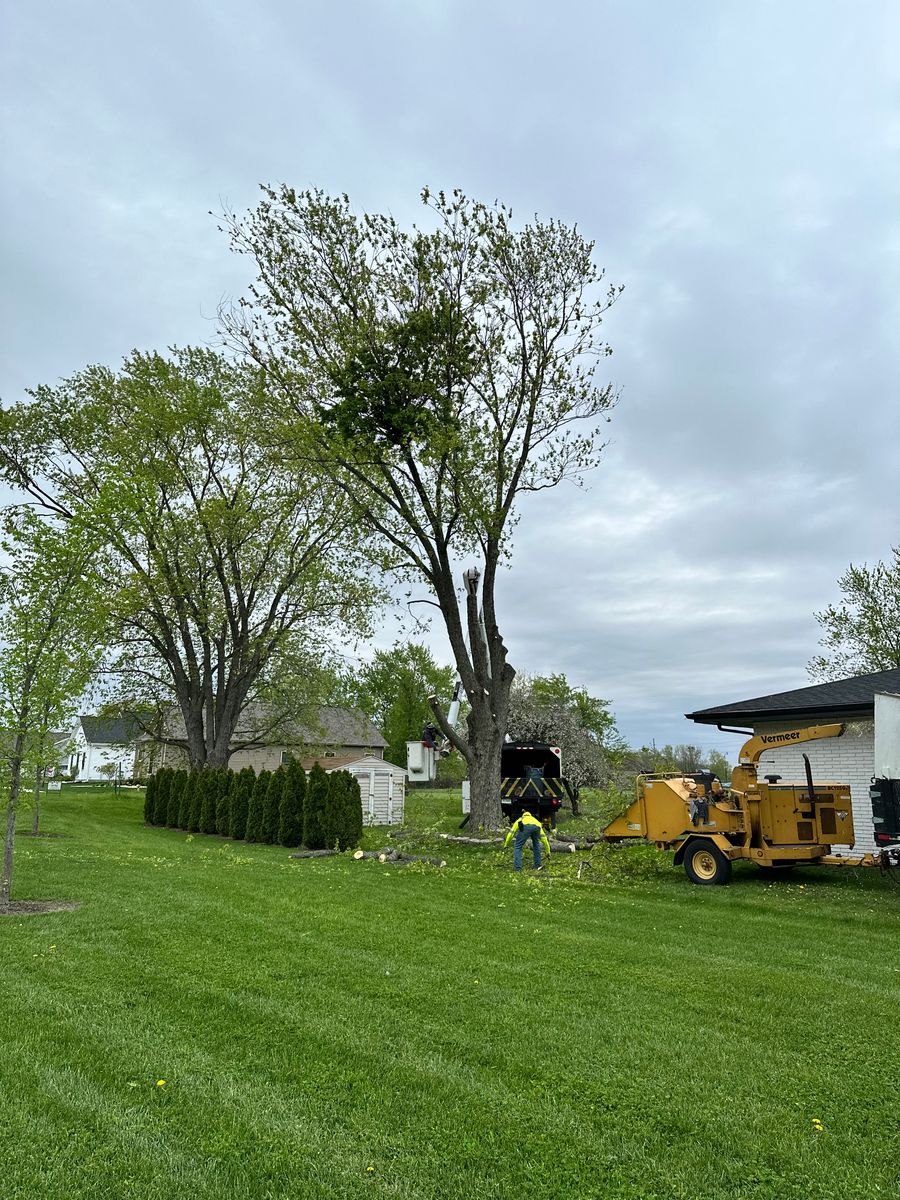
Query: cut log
[[470, 841], [361, 854], [314, 853]]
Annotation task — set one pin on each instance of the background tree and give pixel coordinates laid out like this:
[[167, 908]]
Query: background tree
[[441, 374], [51, 621], [862, 631], [719, 765], [230, 574], [314, 809], [549, 709], [290, 827], [394, 688]]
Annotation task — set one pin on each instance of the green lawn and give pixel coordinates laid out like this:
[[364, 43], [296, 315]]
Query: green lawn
[[328, 1028]]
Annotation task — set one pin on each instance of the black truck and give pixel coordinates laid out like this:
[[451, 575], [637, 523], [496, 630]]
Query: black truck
[[532, 778]]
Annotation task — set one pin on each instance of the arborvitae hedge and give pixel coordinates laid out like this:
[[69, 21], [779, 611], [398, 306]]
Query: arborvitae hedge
[[187, 800], [227, 781], [161, 798], [150, 800], [240, 802], [176, 791], [290, 825], [342, 814], [197, 795], [256, 807], [272, 810], [314, 831], [209, 784]]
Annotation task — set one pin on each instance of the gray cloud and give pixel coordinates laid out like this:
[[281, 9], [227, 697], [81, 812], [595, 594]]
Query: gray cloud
[[737, 165]]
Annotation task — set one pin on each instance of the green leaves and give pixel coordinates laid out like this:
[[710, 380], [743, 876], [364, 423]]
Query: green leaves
[[862, 632]]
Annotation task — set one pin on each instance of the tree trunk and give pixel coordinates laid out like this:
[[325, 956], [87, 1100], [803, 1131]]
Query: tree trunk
[[314, 853], [485, 742], [15, 779], [36, 812]]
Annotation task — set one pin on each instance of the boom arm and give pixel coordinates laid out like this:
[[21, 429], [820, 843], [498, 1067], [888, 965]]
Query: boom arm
[[745, 774]]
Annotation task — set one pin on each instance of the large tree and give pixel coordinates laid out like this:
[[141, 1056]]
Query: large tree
[[861, 633], [51, 622], [443, 373], [230, 573]]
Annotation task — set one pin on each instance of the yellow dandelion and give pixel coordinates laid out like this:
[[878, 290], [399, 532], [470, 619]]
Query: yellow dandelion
[[370, 1169], [160, 1083]]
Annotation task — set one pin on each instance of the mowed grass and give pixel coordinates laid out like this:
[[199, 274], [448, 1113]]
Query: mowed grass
[[328, 1028]]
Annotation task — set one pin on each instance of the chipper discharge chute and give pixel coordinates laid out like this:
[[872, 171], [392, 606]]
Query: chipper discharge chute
[[773, 824]]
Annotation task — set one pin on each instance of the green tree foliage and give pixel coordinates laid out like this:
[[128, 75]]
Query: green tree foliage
[[441, 374], [230, 573], [549, 709], [314, 831], [861, 633], [256, 808], [210, 782], [150, 800], [227, 787], [197, 798], [186, 809], [290, 826], [51, 621], [240, 802], [719, 765], [394, 689], [161, 799], [272, 807], [176, 793], [342, 819]]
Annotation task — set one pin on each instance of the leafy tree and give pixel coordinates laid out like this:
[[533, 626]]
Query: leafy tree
[[862, 631], [439, 375], [549, 709], [230, 573], [176, 793], [240, 803], [50, 622], [290, 827], [394, 689], [256, 807], [272, 809], [719, 765], [314, 831]]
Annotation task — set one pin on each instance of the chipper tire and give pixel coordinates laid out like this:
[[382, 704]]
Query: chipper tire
[[705, 863]]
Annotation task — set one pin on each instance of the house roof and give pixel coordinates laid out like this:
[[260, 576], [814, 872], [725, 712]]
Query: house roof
[[339, 763], [109, 731], [853, 697], [331, 727]]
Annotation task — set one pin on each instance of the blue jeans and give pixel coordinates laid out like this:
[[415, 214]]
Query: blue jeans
[[524, 834]]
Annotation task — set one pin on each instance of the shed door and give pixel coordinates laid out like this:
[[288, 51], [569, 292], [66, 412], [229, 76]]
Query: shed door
[[887, 736], [367, 788]]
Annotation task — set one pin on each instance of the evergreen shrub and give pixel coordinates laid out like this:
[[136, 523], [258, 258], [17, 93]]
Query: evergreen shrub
[[240, 801], [314, 831], [256, 807], [290, 825], [272, 809]]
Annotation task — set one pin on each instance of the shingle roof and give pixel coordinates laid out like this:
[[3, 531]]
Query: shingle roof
[[853, 696], [109, 731]]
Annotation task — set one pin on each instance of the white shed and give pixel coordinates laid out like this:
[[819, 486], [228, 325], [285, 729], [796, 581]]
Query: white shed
[[381, 784]]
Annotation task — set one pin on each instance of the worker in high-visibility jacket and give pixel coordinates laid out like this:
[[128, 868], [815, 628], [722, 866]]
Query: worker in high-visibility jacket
[[527, 828]]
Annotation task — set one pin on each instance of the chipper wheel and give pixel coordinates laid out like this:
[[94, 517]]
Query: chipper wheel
[[704, 862]]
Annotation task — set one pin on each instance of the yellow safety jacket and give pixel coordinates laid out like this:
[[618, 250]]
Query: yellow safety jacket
[[527, 819]]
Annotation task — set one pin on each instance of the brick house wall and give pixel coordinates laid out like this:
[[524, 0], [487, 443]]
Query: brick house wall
[[847, 759]]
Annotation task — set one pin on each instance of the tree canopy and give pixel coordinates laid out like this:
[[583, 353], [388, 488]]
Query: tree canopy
[[861, 633], [441, 373], [230, 572]]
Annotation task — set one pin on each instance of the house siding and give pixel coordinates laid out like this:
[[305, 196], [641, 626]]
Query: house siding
[[847, 759], [382, 788]]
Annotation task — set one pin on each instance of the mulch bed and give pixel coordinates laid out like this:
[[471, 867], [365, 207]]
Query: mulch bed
[[30, 908]]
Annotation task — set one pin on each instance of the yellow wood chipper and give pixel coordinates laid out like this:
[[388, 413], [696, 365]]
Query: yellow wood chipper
[[773, 824]]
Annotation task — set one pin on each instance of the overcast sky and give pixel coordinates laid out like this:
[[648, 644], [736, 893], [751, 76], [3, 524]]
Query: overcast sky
[[736, 162]]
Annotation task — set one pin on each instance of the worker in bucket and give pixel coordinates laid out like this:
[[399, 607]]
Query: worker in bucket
[[527, 828]]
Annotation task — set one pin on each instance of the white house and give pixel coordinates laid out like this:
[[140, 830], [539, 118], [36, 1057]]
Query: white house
[[846, 759], [95, 742]]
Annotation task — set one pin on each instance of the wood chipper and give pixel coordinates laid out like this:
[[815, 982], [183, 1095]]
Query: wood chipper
[[773, 824]]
